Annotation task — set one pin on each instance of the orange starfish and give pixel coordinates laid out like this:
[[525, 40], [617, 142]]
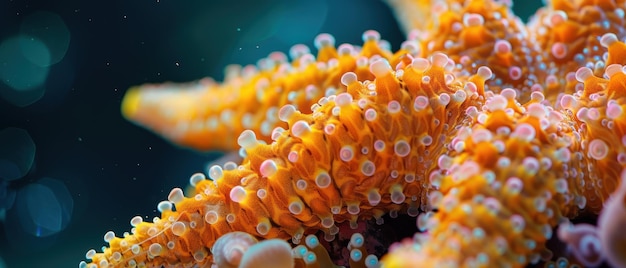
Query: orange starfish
[[478, 119]]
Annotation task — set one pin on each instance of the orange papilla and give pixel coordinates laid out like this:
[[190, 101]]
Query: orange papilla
[[479, 82], [506, 60], [351, 120], [567, 32], [445, 22], [306, 163], [593, 85], [402, 56], [387, 88], [616, 86], [413, 81], [498, 119], [517, 148], [405, 59], [617, 54], [486, 153], [371, 48], [347, 63], [475, 36], [363, 73], [316, 199], [437, 84], [331, 194], [311, 75], [540, 136], [326, 53], [590, 16]]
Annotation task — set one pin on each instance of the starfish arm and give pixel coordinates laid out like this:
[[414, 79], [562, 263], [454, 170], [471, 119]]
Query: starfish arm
[[599, 107], [540, 56], [526, 167], [475, 33], [505, 168], [568, 35], [357, 155], [205, 115]]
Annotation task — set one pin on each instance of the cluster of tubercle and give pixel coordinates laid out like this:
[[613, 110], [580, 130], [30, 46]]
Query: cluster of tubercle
[[273, 83], [354, 157], [430, 130]]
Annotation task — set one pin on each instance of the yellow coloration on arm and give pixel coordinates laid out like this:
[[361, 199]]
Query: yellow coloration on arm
[[130, 104]]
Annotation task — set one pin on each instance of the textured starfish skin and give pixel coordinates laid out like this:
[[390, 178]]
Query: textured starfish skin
[[188, 113], [503, 154]]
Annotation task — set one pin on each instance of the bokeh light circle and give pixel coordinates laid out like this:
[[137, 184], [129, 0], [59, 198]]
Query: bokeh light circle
[[26, 59], [44, 208], [51, 30], [24, 62], [7, 198], [17, 153]]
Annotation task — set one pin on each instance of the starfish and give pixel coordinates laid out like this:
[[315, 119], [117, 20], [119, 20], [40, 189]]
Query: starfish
[[491, 130]]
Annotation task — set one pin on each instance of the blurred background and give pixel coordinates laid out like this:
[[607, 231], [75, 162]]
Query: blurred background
[[71, 168]]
